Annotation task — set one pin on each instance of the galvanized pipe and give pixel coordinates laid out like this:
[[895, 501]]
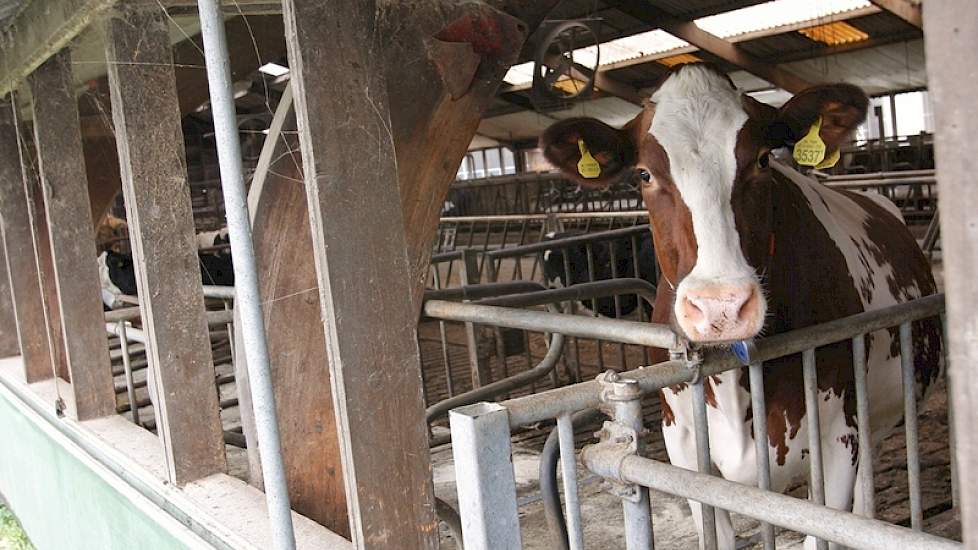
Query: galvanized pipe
[[910, 423], [787, 512], [568, 470], [763, 460], [586, 395], [704, 462], [544, 217], [629, 332], [579, 292], [625, 400], [585, 239], [816, 483], [247, 297], [863, 425]]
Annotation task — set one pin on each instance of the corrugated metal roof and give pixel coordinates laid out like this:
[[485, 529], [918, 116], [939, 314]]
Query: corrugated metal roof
[[835, 34], [768, 16]]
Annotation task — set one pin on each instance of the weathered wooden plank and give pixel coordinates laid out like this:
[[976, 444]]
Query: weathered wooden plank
[[952, 26], [904, 9], [161, 225], [27, 304], [363, 270], [9, 346], [61, 162]]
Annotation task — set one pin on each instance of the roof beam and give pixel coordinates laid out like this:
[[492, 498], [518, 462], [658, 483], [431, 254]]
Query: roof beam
[[688, 31], [904, 9]]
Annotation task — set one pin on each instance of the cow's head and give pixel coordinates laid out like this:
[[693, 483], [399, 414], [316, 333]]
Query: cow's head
[[700, 150]]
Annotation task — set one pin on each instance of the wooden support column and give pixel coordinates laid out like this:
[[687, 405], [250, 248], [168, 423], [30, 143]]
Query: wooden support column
[[20, 265], [363, 271], [9, 346], [69, 216], [952, 26], [158, 205]]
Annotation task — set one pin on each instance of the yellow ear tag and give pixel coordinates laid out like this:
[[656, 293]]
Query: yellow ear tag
[[830, 160], [810, 150], [587, 167]]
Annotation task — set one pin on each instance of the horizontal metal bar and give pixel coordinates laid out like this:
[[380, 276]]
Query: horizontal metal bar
[[856, 184], [542, 217], [579, 292], [484, 290], [218, 291], [788, 512], [585, 395], [542, 246], [882, 175], [626, 332]]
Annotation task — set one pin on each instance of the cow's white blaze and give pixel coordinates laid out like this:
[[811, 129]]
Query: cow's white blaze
[[698, 116]]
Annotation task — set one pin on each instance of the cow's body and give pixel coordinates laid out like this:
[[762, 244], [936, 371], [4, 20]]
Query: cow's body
[[575, 271], [837, 253], [748, 246]]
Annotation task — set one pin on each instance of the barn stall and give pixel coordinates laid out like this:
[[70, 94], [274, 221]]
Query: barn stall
[[153, 427]]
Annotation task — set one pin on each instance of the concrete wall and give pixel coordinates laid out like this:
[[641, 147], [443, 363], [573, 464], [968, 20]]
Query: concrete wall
[[66, 500]]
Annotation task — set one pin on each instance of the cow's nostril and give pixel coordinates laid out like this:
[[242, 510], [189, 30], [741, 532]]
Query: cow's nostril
[[748, 306], [692, 311]]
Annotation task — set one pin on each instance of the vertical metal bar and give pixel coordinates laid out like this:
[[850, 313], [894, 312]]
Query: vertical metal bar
[[910, 423], [485, 481], [568, 469], [575, 354], [247, 296], [443, 334], [816, 473], [230, 328], [638, 298], [863, 425], [952, 440], [626, 401], [470, 276], [589, 250], [703, 460], [759, 414], [127, 368], [617, 299]]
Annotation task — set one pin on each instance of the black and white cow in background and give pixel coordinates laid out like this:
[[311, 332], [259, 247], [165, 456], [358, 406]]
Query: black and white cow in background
[[556, 272], [118, 276]]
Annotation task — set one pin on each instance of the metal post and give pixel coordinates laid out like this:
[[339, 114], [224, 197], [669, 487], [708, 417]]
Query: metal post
[[703, 460], [625, 400], [484, 474], [127, 367], [816, 474], [759, 408], [862, 423], [910, 422], [469, 275], [568, 470], [245, 273]]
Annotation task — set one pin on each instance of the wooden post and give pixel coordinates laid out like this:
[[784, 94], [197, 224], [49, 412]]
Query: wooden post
[[363, 271], [161, 224], [21, 263], [952, 26], [69, 216], [9, 346]]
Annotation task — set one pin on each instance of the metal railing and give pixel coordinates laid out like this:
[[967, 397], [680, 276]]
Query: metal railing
[[486, 487]]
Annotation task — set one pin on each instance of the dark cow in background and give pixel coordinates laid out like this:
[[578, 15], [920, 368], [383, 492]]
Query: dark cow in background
[[574, 271]]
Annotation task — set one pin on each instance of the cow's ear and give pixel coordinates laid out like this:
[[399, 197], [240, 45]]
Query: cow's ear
[[842, 108], [568, 142]]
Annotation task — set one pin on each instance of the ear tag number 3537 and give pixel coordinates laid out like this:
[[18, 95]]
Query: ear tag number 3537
[[810, 150], [587, 167]]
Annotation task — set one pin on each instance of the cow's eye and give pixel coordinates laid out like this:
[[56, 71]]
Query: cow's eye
[[645, 175], [762, 159]]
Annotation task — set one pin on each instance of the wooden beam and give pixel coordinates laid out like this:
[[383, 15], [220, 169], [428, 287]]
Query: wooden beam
[[161, 225], [39, 32], [644, 11], [9, 345], [904, 9], [21, 259], [62, 168], [952, 26], [363, 271]]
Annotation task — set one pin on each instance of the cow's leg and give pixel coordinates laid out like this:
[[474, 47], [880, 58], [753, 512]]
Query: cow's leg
[[859, 504], [680, 440], [839, 459]]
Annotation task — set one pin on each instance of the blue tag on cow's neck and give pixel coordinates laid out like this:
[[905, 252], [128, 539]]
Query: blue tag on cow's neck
[[742, 351]]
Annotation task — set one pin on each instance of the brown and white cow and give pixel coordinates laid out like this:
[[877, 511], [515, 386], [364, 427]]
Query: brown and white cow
[[748, 244]]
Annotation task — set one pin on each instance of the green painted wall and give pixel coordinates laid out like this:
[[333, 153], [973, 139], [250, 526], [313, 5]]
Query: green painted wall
[[67, 501]]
